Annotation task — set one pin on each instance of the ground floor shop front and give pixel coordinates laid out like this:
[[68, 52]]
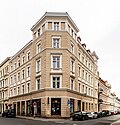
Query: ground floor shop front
[[57, 105]]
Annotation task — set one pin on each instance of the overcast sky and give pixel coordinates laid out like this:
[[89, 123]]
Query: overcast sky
[[98, 21]]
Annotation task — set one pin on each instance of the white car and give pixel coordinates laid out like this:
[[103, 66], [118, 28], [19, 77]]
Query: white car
[[92, 114]]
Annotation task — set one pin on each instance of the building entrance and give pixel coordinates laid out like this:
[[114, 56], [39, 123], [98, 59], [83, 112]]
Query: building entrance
[[55, 106]]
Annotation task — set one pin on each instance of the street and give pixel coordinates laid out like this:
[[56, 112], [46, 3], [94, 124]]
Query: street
[[44, 121]]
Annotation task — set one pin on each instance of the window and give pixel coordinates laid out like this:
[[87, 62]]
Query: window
[[89, 78], [56, 25], [72, 32], [86, 90], [15, 66], [14, 78], [18, 76], [28, 56], [38, 32], [56, 82], [79, 55], [89, 65], [56, 42], [86, 63], [28, 71], [83, 59], [19, 63], [38, 47], [83, 89], [23, 59], [6, 82], [38, 65], [11, 93], [83, 74], [89, 91], [78, 87], [14, 91], [23, 89], [23, 74], [72, 48], [28, 87], [72, 65], [86, 76], [56, 62], [11, 80], [38, 84], [6, 69], [79, 71], [18, 90], [72, 84]]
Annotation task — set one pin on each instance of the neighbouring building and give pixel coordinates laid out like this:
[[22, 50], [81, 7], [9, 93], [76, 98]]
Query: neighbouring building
[[4, 83], [107, 100], [53, 74]]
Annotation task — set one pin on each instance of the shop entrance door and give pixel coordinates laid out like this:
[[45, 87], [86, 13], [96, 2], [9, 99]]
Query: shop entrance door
[[55, 106]]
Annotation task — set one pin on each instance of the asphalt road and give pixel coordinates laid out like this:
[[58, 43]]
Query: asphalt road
[[19, 121]]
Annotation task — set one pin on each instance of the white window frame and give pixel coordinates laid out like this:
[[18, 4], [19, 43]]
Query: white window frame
[[37, 84], [38, 47], [27, 87], [56, 26], [38, 65], [23, 89], [56, 42], [14, 91], [23, 59], [72, 47], [28, 55], [18, 90], [72, 84], [18, 62], [28, 71], [18, 76], [72, 65], [22, 73], [60, 61], [60, 76]]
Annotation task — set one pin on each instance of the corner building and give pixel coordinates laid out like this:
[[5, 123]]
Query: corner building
[[54, 74]]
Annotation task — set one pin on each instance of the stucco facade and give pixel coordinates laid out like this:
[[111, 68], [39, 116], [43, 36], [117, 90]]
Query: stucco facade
[[53, 74]]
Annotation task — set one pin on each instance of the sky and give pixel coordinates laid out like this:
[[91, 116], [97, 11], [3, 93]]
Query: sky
[[97, 20]]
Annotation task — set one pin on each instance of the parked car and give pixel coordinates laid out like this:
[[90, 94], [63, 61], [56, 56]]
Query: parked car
[[100, 114], [112, 112], [92, 115], [9, 113], [79, 115], [107, 112]]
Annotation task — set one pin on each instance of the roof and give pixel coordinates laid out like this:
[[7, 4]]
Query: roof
[[55, 14]]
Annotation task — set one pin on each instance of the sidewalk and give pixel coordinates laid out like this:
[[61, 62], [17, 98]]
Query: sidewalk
[[41, 119]]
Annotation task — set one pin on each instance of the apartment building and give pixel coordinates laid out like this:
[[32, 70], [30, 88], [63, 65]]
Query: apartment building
[[4, 83], [54, 74], [107, 100]]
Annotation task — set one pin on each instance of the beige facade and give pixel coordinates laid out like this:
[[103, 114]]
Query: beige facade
[[107, 99], [4, 83], [54, 74]]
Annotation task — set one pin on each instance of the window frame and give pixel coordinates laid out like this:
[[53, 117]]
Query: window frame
[[60, 81]]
